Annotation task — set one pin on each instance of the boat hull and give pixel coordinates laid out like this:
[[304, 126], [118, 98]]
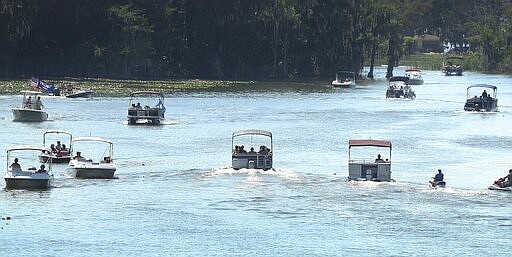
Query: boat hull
[[29, 115], [81, 94], [251, 161], [495, 187], [337, 84], [27, 180], [55, 159], [87, 169]]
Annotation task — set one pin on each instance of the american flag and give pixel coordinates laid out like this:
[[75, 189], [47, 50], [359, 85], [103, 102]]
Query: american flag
[[34, 83]]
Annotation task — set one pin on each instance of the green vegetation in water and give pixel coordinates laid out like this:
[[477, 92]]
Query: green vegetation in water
[[111, 87]]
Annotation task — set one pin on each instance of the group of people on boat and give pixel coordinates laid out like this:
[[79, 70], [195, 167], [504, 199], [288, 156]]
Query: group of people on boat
[[59, 149], [240, 150], [15, 166], [38, 105]]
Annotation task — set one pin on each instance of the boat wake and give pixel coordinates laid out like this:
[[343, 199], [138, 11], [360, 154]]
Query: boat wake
[[224, 171]]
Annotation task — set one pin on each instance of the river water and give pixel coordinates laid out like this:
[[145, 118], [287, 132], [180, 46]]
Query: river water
[[175, 194]]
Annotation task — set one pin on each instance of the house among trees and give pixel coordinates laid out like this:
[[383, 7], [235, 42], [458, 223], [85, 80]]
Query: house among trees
[[429, 43]]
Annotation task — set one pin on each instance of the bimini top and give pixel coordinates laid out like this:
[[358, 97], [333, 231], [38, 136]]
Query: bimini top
[[399, 78], [57, 132], [483, 85], [252, 132], [92, 139], [369, 142], [28, 148], [28, 92], [146, 93]]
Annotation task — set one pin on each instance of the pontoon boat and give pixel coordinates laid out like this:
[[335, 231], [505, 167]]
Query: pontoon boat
[[484, 101], [254, 153], [452, 65], [365, 169], [147, 114]]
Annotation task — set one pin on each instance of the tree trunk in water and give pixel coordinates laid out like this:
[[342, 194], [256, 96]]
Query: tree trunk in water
[[372, 60], [391, 55]]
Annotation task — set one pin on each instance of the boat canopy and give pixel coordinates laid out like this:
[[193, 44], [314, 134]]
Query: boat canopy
[[483, 85], [146, 93], [28, 148], [368, 142], [57, 132], [99, 139], [28, 92], [399, 78], [252, 132]]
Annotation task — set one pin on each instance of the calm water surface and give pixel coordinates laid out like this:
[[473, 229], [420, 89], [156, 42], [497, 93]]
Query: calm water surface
[[176, 196]]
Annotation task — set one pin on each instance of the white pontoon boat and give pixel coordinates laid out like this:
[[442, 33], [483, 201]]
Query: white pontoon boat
[[249, 158], [365, 169], [27, 111], [147, 114], [88, 161], [24, 170]]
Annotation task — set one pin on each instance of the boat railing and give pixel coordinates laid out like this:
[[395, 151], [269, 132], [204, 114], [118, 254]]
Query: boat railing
[[367, 161]]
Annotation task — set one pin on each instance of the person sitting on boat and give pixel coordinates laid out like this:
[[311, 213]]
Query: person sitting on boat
[[252, 150], [439, 177], [138, 106], [58, 147], [41, 169], [508, 179], [64, 151], [79, 157], [499, 182], [28, 103], [15, 165], [379, 159], [241, 149], [107, 159], [263, 150], [52, 147], [39, 104]]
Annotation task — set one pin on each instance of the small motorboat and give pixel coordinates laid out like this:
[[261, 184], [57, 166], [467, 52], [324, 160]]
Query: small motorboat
[[399, 88], [28, 110], [56, 155], [241, 158], [486, 102], [364, 169], [97, 162], [80, 94], [21, 172], [414, 75], [146, 115], [344, 79]]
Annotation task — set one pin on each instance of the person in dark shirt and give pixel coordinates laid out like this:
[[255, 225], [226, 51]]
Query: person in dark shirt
[[439, 176]]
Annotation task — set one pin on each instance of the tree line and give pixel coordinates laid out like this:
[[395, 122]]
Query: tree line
[[237, 39]]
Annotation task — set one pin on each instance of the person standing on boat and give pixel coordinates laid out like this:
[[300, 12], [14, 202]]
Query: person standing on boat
[[484, 94], [39, 104], [41, 169], [15, 165], [28, 103]]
